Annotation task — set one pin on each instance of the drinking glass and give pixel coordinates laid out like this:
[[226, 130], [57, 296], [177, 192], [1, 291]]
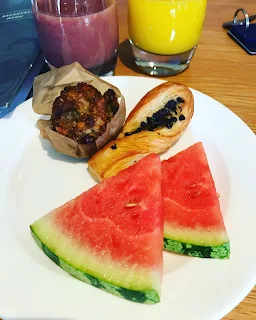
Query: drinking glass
[[164, 33], [84, 31]]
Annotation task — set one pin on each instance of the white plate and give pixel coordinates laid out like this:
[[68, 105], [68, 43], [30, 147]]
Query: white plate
[[34, 179]]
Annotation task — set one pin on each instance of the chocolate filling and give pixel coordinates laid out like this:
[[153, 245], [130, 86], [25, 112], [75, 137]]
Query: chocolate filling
[[114, 146], [164, 117]]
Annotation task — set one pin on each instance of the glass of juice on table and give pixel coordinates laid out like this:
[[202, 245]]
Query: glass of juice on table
[[164, 33], [84, 31]]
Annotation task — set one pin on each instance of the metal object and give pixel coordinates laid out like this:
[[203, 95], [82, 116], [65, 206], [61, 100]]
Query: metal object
[[229, 24], [247, 21]]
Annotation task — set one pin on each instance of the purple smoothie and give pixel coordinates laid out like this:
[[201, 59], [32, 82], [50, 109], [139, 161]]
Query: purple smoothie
[[87, 33]]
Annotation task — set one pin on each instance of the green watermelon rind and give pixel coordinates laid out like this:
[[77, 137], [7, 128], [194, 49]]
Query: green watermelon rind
[[146, 297], [216, 252]]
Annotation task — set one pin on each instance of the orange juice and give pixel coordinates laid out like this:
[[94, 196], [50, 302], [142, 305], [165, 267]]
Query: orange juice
[[166, 26]]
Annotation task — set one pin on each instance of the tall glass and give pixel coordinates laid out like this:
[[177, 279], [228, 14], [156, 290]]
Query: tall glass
[[164, 33], [85, 31]]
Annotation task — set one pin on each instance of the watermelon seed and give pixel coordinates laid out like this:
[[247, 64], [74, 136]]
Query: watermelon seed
[[193, 185], [130, 204], [194, 195]]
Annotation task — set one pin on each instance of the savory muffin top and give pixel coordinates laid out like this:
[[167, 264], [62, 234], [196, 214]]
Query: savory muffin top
[[81, 112]]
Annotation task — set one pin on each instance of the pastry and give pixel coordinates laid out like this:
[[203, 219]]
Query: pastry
[[154, 125]]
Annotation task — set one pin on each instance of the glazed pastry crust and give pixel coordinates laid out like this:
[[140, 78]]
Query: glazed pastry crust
[[125, 150], [141, 143], [157, 98]]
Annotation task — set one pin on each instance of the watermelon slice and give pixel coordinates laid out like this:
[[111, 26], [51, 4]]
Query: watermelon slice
[[193, 223], [111, 236]]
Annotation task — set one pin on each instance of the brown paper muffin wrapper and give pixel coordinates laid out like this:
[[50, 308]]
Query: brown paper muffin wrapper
[[48, 86]]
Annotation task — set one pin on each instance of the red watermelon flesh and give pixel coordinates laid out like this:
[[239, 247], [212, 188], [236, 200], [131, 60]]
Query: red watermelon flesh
[[112, 232], [192, 212]]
